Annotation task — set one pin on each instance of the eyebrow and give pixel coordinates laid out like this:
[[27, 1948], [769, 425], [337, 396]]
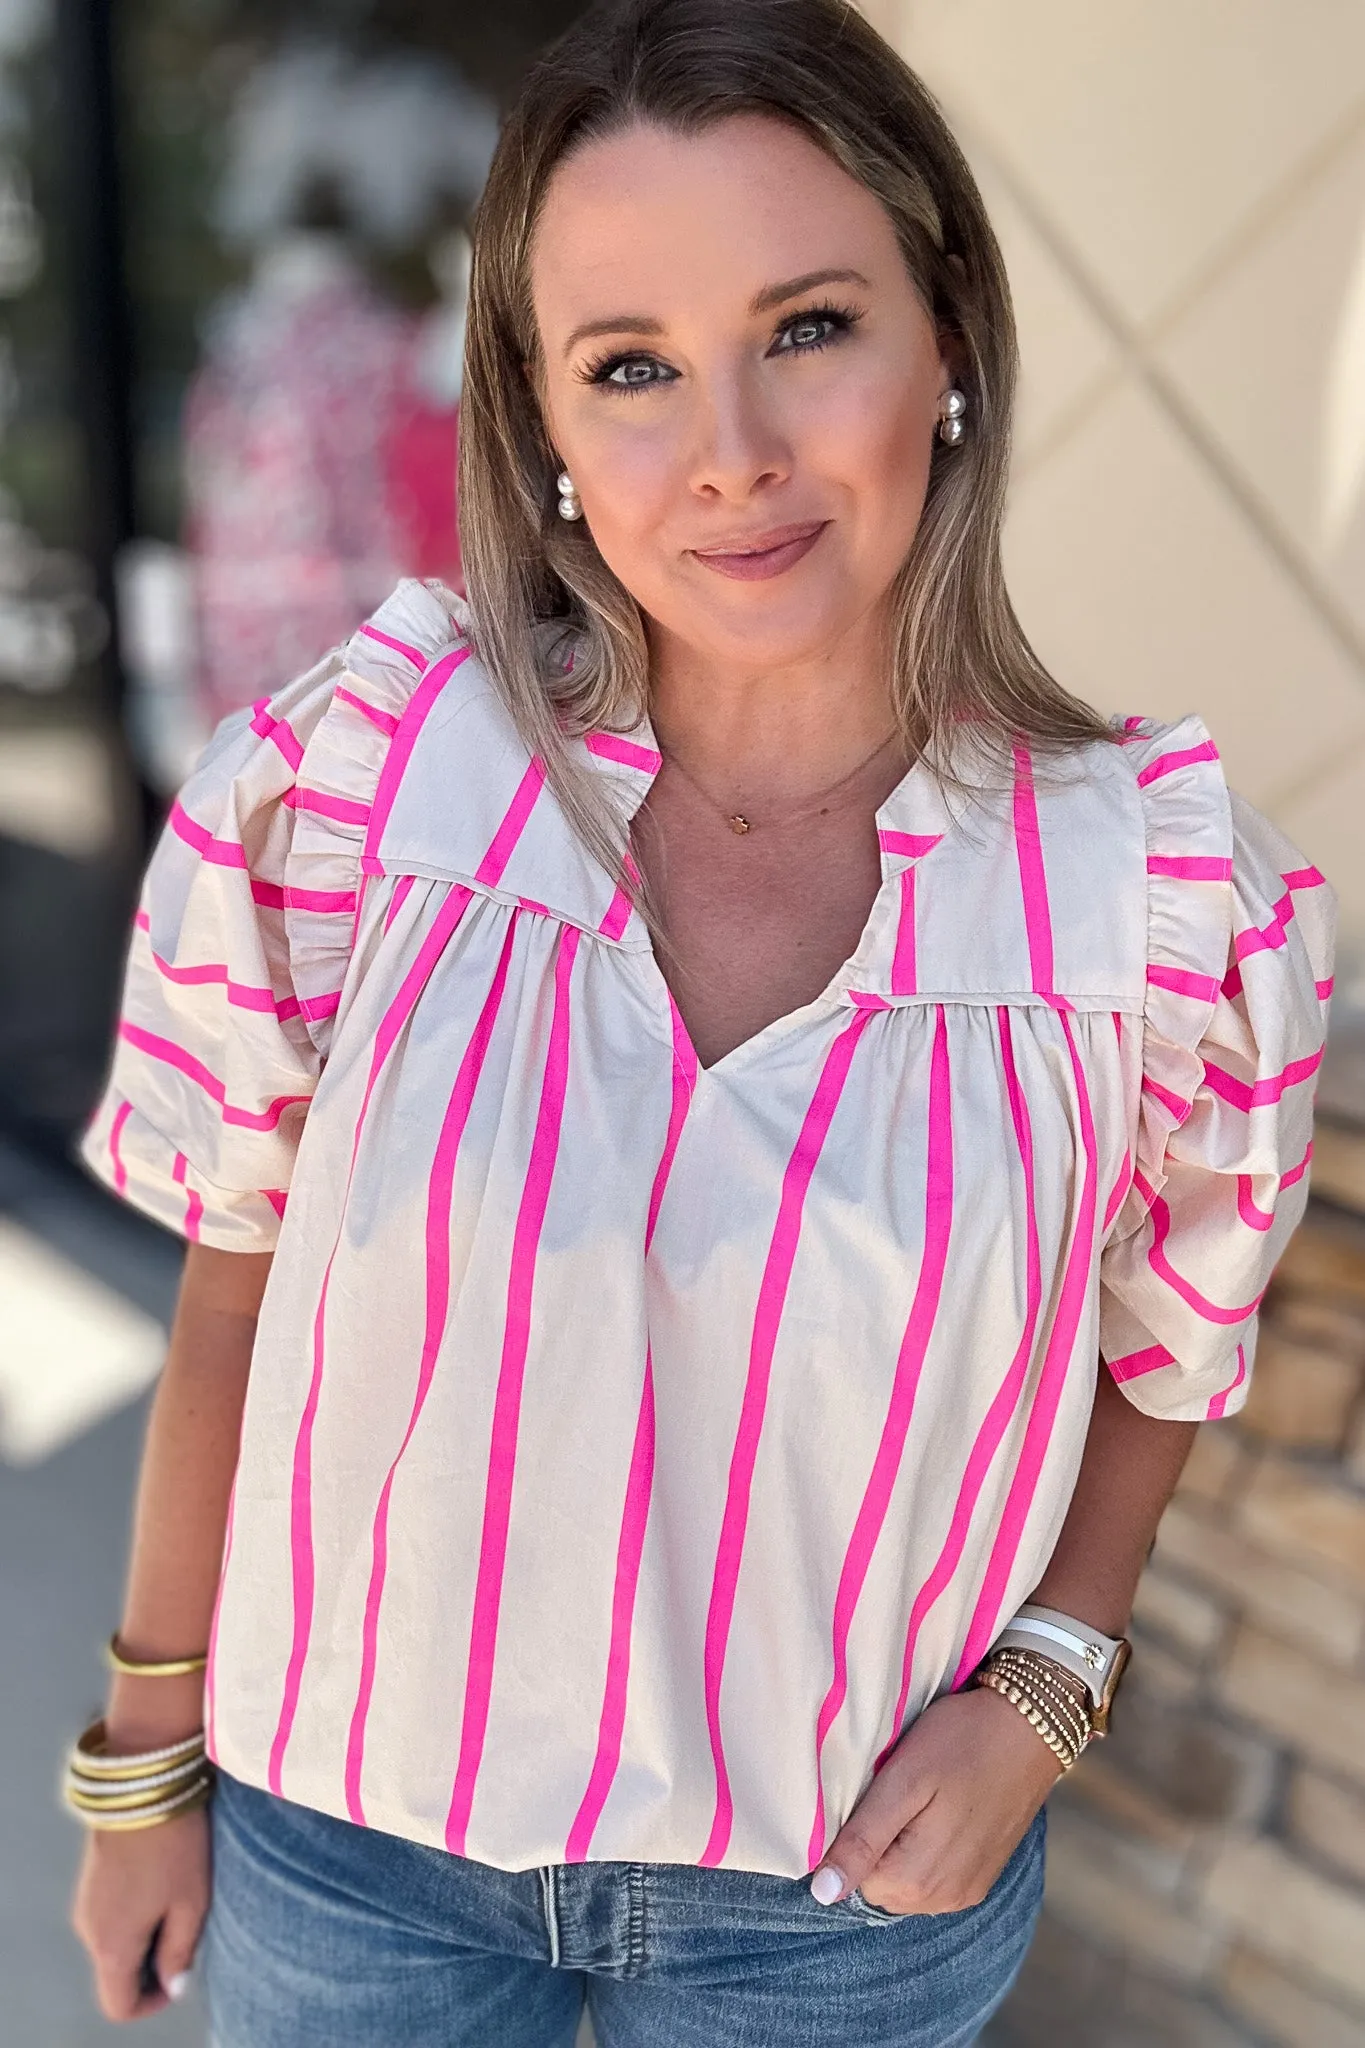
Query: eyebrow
[[763, 302]]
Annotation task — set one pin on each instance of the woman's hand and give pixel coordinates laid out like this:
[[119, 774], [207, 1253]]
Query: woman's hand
[[131, 1885], [942, 1817]]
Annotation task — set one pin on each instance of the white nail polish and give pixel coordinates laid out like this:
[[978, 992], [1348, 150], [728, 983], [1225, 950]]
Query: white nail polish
[[827, 1884], [176, 1987]]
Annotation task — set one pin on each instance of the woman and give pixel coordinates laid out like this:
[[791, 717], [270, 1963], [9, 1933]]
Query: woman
[[738, 1042]]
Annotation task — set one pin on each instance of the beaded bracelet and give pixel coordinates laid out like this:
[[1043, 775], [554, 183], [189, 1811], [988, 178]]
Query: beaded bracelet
[[1035, 1677]]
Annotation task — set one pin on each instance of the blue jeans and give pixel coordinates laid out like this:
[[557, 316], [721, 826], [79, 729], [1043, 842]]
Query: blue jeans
[[328, 1935]]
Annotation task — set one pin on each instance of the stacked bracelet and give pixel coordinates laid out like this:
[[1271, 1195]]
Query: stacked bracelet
[[1047, 1686], [1040, 1692], [126, 1792]]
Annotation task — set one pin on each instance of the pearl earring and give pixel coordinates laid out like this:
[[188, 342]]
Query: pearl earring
[[951, 425], [570, 505]]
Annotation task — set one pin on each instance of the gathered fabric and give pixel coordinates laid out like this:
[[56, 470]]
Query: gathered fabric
[[632, 1450]]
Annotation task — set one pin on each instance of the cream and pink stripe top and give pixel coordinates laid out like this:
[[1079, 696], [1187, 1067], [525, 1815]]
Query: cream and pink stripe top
[[631, 1448]]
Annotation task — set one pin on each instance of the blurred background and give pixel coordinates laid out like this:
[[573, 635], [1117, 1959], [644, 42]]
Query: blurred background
[[232, 273]]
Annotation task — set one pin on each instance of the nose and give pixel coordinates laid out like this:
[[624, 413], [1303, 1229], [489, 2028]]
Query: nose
[[741, 447]]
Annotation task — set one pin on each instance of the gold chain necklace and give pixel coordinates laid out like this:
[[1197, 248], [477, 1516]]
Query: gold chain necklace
[[740, 824]]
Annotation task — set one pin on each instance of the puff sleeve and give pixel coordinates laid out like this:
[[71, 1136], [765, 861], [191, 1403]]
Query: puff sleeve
[[1239, 965], [243, 939]]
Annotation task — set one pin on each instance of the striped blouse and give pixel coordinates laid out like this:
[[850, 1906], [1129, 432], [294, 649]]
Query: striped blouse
[[631, 1448]]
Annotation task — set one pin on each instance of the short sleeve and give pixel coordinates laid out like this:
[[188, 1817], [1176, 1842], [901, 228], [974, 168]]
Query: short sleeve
[[1239, 971], [243, 937]]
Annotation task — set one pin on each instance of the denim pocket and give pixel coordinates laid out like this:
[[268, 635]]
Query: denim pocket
[[877, 1916]]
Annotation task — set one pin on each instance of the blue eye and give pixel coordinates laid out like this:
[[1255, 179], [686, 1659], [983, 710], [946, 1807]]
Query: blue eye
[[639, 370], [804, 333], [630, 373]]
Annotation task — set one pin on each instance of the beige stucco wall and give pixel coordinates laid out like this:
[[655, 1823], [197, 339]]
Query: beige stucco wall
[[1179, 186]]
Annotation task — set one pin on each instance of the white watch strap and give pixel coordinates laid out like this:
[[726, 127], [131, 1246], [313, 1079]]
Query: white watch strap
[[1083, 1651]]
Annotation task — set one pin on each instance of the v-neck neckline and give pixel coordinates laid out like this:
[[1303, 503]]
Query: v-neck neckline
[[897, 850]]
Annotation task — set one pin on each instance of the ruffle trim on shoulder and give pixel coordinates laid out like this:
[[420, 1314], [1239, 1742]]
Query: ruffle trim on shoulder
[[340, 774], [1188, 825]]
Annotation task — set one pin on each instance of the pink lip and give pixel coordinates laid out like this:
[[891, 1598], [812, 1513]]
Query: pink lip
[[766, 554]]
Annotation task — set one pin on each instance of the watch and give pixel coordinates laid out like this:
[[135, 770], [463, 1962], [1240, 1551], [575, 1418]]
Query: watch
[[1097, 1660]]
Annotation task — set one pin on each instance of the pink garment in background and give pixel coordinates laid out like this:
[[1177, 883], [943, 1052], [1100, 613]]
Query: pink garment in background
[[423, 450], [286, 439]]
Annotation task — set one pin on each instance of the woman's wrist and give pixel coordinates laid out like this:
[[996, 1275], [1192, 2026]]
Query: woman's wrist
[[144, 1713]]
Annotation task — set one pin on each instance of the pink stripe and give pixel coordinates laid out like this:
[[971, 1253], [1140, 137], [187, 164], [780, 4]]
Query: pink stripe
[[1136, 1363], [301, 1488], [1218, 1406], [1005, 1404], [241, 995], [876, 1500], [194, 1206], [224, 853], [617, 917], [1119, 1193], [1304, 878], [609, 746], [1189, 867], [210, 1672], [401, 890], [1265, 938], [404, 740], [440, 1196], [271, 896], [173, 1055], [491, 868], [1203, 987], [412, 654], [903, 965], [341, 808], [772, 1296], [1243, 1095], [1167, 764], [1324, 988], [1057, 1363], [279, 732], [635, 1513], [1174, 1104], [1186, 1289], [315, 1008], [1032, 875], [915, 844], [1134, 724], [277, 1197], [1231, 985], [502, 1449], [1261, 1219], [385, 720], [121, 1116]]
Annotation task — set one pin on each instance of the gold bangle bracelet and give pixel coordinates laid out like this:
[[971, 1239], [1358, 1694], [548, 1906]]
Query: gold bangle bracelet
[[149, 1817], [135, 1802], [171, 1667], [90, 1759]]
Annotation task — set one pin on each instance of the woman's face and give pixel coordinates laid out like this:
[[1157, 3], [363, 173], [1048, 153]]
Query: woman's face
[[741, 380]]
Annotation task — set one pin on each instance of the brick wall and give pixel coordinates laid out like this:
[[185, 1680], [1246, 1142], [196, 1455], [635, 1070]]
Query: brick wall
[[1206, 1882]]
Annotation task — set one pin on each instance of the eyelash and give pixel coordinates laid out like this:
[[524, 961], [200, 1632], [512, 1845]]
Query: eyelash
[[842, 319]]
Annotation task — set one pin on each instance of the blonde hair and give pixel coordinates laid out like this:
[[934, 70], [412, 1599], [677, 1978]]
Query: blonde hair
[[961, 664]]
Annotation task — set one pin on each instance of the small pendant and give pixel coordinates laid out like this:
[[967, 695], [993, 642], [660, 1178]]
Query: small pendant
[[739, 825]]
